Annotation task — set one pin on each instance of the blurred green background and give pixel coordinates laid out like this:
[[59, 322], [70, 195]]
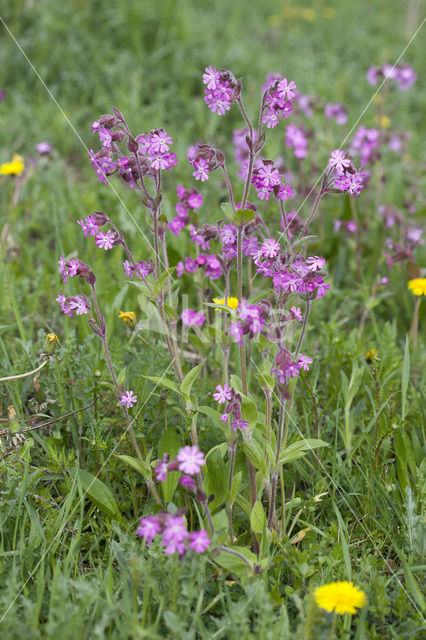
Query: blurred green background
[[146, 56]]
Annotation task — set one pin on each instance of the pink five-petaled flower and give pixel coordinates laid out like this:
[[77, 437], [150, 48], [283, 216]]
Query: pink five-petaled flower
[[78, 304], [199, 541], [191, 317], [190, 460], [211, 77], [270, 248], [160, 142], [286, 90], [201, 169], [105, 240], [339, 160], [296, 313], [161, 469], [105, 137], [315, 263], [304, 362], [223, 393], [128, 399], [149, 527], [174, 531]]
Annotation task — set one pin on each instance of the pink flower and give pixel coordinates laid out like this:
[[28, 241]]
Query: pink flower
[[270, 248], [304, 362], [174, 546], [191, 317], [128, 269], [286, 90], [160, 142], [223, 393], [239, 424], [339, 160], [43, 147], [65, 308], [105, 240], [78, 304], [211, 77], [315, 263], [128, 399], [188, 482], [201, 170], [149, 527], [296, 313], [174, 530], [190, 459], [63, 268], [199, 541], [161, 469]]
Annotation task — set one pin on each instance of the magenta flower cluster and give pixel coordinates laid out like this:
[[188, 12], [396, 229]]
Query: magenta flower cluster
[[267, 180], [288, 368], [403, 76], [296, 139], [336, 112], [345, 176], [233, 401], [190, 317], [174, 534], [249, 320], [220, 89], [150, 152], [277, 101], [189, 200], [78, 304]]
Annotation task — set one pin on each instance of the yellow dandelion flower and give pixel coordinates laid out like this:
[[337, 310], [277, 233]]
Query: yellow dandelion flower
[[371, 355], [51, 338], [13, 168], [129, 317], [308, 14], [289, 13], [328, 13], [418, 286], [340, 597], [385, 122], [232, 302]]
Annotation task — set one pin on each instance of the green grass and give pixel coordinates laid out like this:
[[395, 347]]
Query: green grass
[[69, 560]]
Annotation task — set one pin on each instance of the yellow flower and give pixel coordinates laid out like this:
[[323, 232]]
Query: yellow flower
[[418, 286], [51, 338], [371, 355], [340, 597], [385, 122], [232, 302], [13, 168], [129, 317], [328, 13], [308, 14]]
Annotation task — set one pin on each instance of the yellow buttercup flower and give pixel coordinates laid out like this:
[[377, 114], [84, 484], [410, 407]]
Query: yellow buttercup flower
[[13, 168], [340, 597], [418, 286], [371, 355], [129, 317], [232, 302], [51, 338]]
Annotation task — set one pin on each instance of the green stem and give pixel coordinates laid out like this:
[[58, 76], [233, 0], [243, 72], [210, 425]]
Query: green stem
[[309, 220]]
